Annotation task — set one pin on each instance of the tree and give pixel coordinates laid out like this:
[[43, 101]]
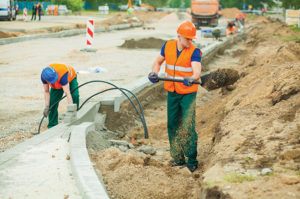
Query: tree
[[175, 3], [187, 3], [291, 4], [74, 5], [156, 3], [239, 3]]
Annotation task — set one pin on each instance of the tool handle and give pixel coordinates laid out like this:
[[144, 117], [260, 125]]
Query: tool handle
[[176, 80]]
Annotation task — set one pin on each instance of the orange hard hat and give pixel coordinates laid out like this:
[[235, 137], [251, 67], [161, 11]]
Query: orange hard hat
[[187, 29]]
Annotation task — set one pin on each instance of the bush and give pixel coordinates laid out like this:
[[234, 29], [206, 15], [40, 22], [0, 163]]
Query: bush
[[74, 5]]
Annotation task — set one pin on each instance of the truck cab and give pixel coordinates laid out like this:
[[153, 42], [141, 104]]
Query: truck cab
[[205, 12], [7, 10]]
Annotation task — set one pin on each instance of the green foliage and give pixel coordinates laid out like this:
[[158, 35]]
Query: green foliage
[[294, 28], [289, 39], [295, 4], [237, 178], [74, 5], [252, 16], [175, 3], [257, 4], [247, 159], [156, 3], [208, 185]]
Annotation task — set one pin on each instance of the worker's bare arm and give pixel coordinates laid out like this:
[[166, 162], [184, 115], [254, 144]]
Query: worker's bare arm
[[157, 63], [196, 66], [46, 94], [66, 89]]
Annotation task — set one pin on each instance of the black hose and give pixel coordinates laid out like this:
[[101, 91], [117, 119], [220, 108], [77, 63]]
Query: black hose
[[141, 113], [115, 87]]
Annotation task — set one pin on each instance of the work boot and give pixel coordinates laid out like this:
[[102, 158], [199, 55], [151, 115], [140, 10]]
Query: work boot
[[177, 164], [192, 168]]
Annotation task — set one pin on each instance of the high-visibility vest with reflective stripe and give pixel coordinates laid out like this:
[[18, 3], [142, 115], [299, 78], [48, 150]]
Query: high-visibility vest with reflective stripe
[[178, 68], [61, 69]]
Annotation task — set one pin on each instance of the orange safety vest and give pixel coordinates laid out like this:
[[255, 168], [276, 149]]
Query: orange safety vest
[[244, 15], [229, 31], [178, 68], [61, 69]]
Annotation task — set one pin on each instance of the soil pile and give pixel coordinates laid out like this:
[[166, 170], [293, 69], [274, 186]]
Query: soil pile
[[230, 12], [4, 34], [253, 125], [130, 175], [119, 18], [143, 43]]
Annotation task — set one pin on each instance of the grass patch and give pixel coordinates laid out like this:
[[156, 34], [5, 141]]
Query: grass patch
[[208, 185], [298, 173], [276, 35], [294, 28], [237, 178], [289, 39], [251, 16]]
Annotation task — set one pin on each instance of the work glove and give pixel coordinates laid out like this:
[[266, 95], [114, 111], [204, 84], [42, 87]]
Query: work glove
[[153, 77], [188, 81], [46, 111]]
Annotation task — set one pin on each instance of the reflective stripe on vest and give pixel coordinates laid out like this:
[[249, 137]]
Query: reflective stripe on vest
[[62, 69], [178, 68]]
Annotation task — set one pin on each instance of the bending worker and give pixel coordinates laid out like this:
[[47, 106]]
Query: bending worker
[[183, 61], [62, 79]]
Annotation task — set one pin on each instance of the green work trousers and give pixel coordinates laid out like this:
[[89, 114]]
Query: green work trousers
[[183, 137], [55, 95]]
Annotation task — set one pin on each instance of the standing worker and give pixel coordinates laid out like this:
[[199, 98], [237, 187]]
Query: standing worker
[[62, 79], [40, 10], [183, 61], [34, 8]]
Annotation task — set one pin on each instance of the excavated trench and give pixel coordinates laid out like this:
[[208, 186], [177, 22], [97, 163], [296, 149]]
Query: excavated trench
[[242, 129], [121, 144]]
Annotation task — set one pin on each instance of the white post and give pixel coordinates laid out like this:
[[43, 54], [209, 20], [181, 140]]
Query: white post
[[25, 14], [90, 33]]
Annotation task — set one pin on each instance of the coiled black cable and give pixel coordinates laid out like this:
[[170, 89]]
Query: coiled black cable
[[140, 114]]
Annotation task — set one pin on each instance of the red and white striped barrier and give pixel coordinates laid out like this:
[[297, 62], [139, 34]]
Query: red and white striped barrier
[[25, 14], [90, 32]]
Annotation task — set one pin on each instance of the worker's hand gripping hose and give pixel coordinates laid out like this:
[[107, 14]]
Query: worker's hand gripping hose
[[140, 113]]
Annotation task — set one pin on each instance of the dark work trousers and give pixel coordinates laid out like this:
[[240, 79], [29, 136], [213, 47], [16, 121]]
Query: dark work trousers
[[183, 137], [55, 95]]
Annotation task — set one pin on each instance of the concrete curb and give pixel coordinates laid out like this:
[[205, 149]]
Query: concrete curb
[[67, 33], [86, 179]]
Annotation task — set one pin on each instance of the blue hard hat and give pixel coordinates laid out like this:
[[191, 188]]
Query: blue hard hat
[[50, 75]]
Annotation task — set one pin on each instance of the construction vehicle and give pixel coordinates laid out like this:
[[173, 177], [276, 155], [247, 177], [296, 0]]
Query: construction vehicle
[[205, 12], [137, 4]]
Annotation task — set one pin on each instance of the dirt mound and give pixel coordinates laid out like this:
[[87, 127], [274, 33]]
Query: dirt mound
[[124, 179], [150, 42], [9, 34], [219, 78], [251, 126], [138, 16], [230, 12]]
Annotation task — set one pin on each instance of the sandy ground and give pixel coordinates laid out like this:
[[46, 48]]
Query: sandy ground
[[242, 129], [50, 24], [21, 101]]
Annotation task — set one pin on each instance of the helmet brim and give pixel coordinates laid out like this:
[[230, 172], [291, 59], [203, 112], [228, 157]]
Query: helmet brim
[[194, 37]]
